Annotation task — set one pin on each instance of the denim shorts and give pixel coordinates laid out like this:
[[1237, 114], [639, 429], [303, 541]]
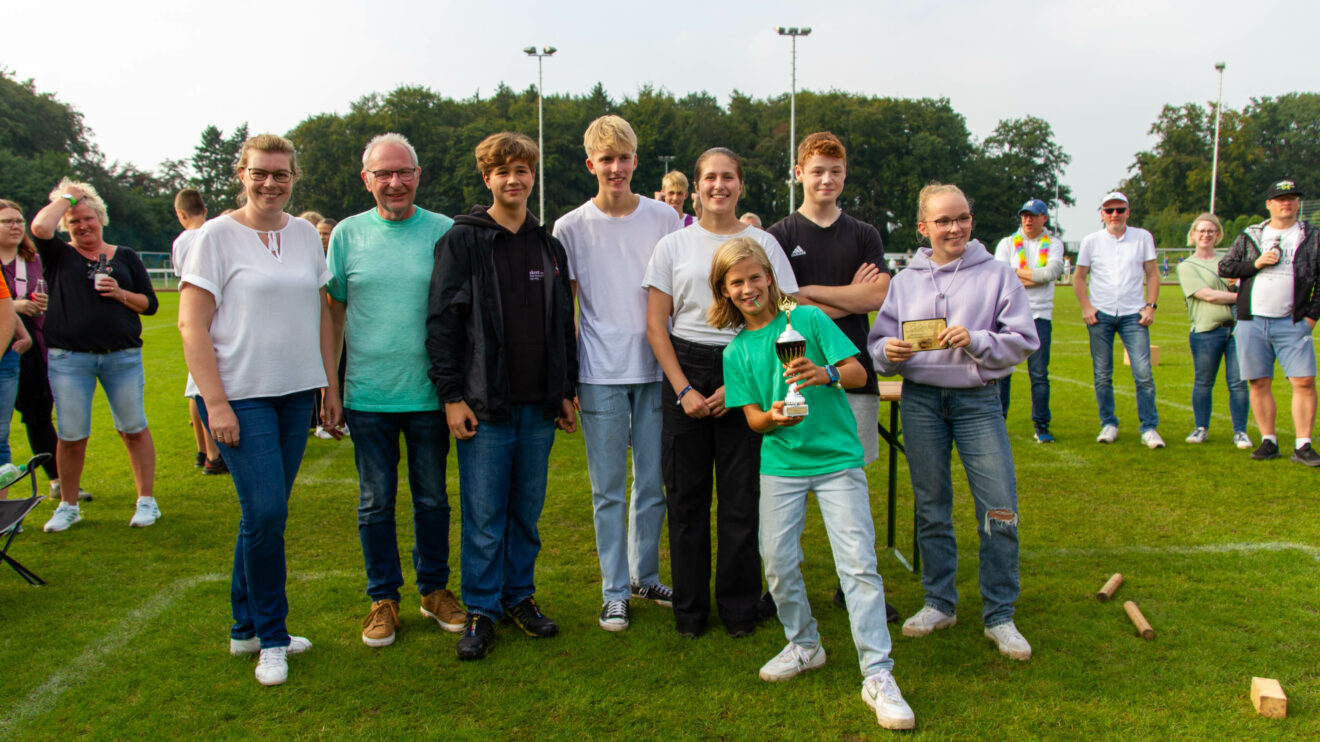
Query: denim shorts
[[73, 376], [1262, 339]]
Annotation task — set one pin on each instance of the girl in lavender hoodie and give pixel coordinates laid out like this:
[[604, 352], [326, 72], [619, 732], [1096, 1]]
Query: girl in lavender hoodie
[[950, 397]]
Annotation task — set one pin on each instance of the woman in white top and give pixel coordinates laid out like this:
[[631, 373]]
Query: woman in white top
[[251, 304], [697, 435]]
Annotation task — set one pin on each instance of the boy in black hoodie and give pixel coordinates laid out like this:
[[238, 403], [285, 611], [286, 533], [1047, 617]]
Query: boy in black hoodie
[[504, 361]]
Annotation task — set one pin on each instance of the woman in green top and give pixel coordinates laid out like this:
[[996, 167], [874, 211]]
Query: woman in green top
[[1210, 304], [818, 452]]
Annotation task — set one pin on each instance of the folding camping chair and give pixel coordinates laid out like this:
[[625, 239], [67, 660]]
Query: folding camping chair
[[12, 513]]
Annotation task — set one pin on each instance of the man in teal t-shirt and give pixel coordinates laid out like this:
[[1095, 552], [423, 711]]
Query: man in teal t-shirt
[[380, 276]]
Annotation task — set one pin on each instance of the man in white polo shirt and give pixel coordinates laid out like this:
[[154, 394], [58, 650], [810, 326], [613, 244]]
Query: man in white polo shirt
[[1117, 260], [1038, 260], [1278, 262]]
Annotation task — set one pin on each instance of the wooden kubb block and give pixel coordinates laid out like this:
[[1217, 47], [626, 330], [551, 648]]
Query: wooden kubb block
[[1154, 356], [1268, 698]]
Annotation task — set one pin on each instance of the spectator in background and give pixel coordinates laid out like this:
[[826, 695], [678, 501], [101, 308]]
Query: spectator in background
[[14, 243], [1117, 260], [675, 185], [1210, 304], [94, 333], [752, 219], [313, 217], [1037, 258], [1278, 304], [324, 228], [190, 210], [256, 378]]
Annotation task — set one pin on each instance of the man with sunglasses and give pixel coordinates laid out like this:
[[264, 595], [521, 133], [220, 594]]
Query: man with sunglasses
[[1117, 260], [1278, 262], [380, 278]]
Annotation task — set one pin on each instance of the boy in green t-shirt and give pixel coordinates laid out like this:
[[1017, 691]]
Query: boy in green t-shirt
[[818, 452]]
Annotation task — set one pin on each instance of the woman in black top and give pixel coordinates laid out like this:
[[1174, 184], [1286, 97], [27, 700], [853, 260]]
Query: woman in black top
[[93, 333]]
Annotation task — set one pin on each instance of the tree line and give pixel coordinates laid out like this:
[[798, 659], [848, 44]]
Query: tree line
[[895, 146]]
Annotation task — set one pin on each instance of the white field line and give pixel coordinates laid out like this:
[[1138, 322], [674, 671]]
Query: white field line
[[73, 674], [321, 463], [1244, 548]]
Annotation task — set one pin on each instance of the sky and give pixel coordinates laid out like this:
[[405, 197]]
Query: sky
[[149, 75]]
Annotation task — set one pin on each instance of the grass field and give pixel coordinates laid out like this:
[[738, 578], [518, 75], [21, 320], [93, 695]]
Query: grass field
[[128, 641]]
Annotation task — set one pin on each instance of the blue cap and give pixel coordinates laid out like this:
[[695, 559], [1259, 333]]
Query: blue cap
[[1035, 206]]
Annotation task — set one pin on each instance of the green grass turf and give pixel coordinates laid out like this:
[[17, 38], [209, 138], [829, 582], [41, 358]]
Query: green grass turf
[[128, 641]]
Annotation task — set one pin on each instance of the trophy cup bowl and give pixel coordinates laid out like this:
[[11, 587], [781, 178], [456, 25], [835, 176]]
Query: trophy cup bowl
[[790, 346]]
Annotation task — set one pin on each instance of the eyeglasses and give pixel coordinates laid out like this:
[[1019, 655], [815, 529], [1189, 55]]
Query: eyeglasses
[[1115, 210], [405, 174], [11, 222], [1211, 230], [945, 222], [279, 176]]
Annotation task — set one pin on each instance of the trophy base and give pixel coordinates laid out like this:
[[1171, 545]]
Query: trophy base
[[795, 410]]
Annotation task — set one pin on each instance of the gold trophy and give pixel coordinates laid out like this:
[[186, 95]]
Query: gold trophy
[[790, 346]]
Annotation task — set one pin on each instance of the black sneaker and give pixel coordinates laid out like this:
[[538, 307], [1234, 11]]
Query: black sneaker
[[1268, 450], [215, 466], [200, 461], [891, 613], [690, 628], [839, 599], [765, 608], [528, 617], [1306, 455], [478, 632], [739, 629], [660, 593]]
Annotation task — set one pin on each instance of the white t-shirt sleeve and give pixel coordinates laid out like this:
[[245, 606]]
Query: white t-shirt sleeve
[[660, 271], [1147, 246], [1084, 252], [204, 265], [778, 260]]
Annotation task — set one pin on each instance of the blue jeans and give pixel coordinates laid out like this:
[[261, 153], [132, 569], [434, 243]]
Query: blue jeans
[[1207, 349], [8, 394], [612, 416], [376, 451], [501, 489], [934, 420], [1038, 369], [845, 506], [272, 436], [73, 376], [1137, 341]]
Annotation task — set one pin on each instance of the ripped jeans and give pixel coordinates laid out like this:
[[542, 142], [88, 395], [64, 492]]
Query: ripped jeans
[[934, 420]]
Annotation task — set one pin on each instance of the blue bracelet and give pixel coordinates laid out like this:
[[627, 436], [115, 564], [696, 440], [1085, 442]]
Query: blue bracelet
[[686, 389]]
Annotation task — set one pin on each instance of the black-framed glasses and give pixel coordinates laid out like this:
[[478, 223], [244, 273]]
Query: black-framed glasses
[[279, 176], [11, 222], [406, 174], [1115, 210], [945, 222]]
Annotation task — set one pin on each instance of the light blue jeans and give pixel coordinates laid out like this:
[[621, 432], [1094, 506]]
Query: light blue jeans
[[613, 415], [73, 376], [1136, 339], [845, 506], [934, 420], [8, 394]]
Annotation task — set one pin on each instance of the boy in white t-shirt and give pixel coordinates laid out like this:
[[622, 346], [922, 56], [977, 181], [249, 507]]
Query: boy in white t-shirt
[[190, 210], [1278, 262], [609, 241]]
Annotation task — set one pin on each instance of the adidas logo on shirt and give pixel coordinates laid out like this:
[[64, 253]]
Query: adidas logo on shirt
[[797, 252]]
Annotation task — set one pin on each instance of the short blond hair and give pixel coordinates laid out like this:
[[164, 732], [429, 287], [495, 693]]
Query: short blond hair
[[610, 134], [90, 197], [312, 216], [505, 147], [674, 179]]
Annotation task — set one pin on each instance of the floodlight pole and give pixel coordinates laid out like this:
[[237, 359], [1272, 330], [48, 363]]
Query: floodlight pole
[[793, 33], [547, 51], [1214, 166], [666, 159]]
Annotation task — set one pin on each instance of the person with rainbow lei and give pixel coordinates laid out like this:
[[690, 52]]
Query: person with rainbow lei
[[1038, 260]]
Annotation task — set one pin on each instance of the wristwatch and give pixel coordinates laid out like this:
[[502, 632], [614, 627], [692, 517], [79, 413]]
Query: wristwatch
[[1152, 305], [833, 374]]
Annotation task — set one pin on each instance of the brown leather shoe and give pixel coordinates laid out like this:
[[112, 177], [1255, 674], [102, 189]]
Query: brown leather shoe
[[378, 626], [444, 608]]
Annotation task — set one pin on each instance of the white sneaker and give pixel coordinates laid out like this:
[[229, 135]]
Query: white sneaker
[[882, 694], [322, 433], [1242, 440], [794, 660], [146, 514], [1198, 436], [240, 647], [1152, 439], [273, 666], [1108, 434], [1010, 641], [614, 615], [926, 620], [65, 516]]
